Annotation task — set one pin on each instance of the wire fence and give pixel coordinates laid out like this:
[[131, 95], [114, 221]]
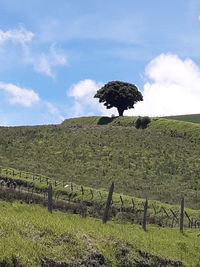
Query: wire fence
[[89, 202]]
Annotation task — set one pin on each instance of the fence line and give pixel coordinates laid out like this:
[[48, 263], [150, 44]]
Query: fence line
[[176, 219]]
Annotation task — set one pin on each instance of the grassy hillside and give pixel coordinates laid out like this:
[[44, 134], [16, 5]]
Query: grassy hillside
[[30, 236], [195, 118], [87, 201], [160, 162]]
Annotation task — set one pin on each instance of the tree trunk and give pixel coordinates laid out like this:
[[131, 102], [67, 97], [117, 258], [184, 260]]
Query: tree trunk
[[120, 111]]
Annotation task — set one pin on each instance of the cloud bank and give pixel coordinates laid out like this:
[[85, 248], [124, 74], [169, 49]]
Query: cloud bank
[[18, 35], [85, 104], [22, 96], [172, 87]]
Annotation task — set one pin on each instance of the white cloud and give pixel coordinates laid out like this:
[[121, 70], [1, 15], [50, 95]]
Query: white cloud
[[22, 96], [85, 104], [84, 89], [172, 87], [18, 35], [45, 62], [53, 111]]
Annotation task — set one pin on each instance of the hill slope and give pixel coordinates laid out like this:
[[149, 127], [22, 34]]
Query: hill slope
[[160, 162], [195, 118], [30, 236]]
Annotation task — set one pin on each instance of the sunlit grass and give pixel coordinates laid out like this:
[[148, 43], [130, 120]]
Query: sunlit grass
[[161, 162], [30, 233]]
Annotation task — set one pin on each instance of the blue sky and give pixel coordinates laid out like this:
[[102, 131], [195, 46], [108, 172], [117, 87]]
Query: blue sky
[[55, 54]]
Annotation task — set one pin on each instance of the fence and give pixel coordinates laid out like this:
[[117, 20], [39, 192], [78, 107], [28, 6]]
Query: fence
[[95, 202]]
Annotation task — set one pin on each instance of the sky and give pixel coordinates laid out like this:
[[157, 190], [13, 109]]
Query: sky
[[55, 55]]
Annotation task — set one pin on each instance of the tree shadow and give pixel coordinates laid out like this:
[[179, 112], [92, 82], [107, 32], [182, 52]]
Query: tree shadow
[[105, 120]]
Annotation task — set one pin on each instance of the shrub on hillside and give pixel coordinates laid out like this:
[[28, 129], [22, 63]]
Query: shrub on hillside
[[142, 122], [138, 123]]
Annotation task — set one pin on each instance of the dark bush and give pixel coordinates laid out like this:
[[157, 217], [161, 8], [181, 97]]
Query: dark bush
[[138, 123], [145, 121], [142, 122]]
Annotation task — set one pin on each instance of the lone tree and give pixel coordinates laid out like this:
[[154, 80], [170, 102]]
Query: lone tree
[[121, 95]]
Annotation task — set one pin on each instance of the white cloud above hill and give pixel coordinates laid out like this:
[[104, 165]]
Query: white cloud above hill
[[42, 60], [45, 62], [172, 87], [85, 104], [19, 95]]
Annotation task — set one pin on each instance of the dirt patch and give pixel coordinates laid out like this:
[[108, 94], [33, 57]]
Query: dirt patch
[[149, 260], [94, 259]]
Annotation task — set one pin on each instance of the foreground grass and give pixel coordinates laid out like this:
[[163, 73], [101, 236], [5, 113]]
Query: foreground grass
[[160, 162], [29, 234]]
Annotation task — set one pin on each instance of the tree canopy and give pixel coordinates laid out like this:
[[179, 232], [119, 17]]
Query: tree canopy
[[121, 95]]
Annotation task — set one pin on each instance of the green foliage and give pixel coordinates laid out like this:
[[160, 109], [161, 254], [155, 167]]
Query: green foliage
[[121, 95]]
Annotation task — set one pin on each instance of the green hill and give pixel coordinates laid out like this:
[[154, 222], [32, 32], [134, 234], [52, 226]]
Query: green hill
[[87, 201], [195, 118], [160, 162], [30, 236]]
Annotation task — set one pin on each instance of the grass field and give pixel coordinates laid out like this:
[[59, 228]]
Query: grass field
[[160, 162], [30, 235], [195, 118], [91, 202]]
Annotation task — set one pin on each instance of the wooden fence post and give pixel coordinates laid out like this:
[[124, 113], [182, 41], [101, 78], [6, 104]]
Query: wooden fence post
[[133, 204], [50, 198], [92, 194], [122, 203], [182, 215], [82, 191], [144, 223], [32, 191], [108, 203]]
